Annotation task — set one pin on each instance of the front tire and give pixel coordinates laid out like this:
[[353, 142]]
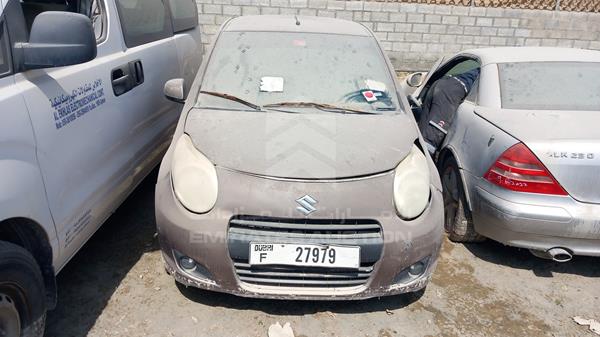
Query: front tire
[[22, 293], [457, 218]]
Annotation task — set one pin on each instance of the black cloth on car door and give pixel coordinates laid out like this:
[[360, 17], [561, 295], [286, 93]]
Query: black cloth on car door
[[440, 105]]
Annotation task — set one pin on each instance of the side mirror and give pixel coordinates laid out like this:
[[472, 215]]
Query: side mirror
[[58, 39], [415, 79], [175, 90]]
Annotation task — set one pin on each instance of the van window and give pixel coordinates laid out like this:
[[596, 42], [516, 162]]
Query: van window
[[184, 13], [94, 9], [4, 59], [98, 19], [144, 21], [33, 8]]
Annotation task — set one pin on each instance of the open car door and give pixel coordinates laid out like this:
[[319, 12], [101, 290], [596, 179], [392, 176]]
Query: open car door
[[426, 77]]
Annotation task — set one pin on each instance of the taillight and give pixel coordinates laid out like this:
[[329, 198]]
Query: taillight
[[518, 169]]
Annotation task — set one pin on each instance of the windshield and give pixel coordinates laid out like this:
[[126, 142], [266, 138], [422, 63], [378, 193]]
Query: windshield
[[267, 68], [550, 86]]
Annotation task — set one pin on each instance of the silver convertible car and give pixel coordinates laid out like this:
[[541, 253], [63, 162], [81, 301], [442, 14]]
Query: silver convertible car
[[520, 162], [297, 169]]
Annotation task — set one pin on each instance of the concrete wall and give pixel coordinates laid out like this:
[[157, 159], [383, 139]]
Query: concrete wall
[[415, 35]]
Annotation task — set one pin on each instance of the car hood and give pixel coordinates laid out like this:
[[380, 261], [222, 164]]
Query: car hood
[[567, 142], [302, 145]]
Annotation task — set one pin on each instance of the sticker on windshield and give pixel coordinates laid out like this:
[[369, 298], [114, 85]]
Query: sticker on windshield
[[375, 86], [369, 96], [271, 84]]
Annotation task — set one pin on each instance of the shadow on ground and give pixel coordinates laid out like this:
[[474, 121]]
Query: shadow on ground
[[87, 282], [298, 308], [498, 253]]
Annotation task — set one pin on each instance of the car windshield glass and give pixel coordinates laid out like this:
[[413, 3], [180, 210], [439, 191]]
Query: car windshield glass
[[550, 86], [271, 68]]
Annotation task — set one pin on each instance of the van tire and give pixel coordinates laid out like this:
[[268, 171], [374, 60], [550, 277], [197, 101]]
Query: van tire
[[22, 291], [457, 217]]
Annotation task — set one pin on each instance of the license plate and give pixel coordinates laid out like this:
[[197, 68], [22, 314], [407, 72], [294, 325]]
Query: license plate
[[305, 255]]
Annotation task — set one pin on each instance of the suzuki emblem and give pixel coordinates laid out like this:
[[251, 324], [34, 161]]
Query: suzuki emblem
[[306, 205]]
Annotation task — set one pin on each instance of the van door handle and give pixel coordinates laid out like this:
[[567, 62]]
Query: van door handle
[[127, 77], [121, 80]]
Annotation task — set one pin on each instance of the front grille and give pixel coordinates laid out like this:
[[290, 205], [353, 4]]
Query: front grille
[[246, 229]]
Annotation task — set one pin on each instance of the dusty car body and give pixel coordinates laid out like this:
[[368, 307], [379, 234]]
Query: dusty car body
[[520, 162], [333, 184]]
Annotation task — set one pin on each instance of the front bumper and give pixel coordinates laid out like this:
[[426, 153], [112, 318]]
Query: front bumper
[[537, 222], [205, 238]]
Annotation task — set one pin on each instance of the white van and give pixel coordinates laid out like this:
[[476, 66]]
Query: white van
[[83, 120]]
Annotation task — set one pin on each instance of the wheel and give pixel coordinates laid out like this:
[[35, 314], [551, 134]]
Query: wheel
[[457, 218], [22, 293]]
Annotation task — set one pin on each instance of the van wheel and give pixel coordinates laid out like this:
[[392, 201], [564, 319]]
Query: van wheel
[[457, 218], [22, 293]]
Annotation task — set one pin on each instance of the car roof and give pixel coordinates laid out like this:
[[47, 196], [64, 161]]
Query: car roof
[[533, 54], [287, 23]]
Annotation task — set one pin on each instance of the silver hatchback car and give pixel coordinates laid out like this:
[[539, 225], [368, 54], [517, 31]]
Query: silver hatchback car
[[297, 170], [520, 161]]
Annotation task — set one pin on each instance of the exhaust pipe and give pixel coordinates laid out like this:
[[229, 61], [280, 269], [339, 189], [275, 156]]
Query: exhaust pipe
[[559, 254], [556, 254]]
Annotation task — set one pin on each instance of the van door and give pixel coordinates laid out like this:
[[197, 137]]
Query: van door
[[147, 31], [90, 125]]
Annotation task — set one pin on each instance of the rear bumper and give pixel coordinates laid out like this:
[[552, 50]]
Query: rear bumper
[[538, 222], [207, 238]]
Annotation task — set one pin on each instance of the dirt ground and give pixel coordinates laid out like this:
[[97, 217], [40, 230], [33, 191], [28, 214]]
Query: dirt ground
[[116, 286]]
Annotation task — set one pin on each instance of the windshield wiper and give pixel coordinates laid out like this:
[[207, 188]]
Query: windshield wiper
[[320, 106], [387, 108], [232, 98]]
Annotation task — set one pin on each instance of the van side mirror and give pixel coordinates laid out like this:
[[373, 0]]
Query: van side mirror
[[415, 79], [175, 90], [58, 39]]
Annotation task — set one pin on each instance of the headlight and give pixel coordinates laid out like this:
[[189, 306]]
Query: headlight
[[194, 177], [411, 185]]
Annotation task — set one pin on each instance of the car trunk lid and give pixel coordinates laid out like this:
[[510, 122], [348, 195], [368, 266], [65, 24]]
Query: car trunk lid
[[302, 145], [566, 142]]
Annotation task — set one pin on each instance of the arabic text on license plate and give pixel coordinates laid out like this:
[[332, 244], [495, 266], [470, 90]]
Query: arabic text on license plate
[[304, 255]]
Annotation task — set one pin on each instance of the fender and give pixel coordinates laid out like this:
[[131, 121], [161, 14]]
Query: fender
[[22, 188], [447, 151], [22, 195]]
